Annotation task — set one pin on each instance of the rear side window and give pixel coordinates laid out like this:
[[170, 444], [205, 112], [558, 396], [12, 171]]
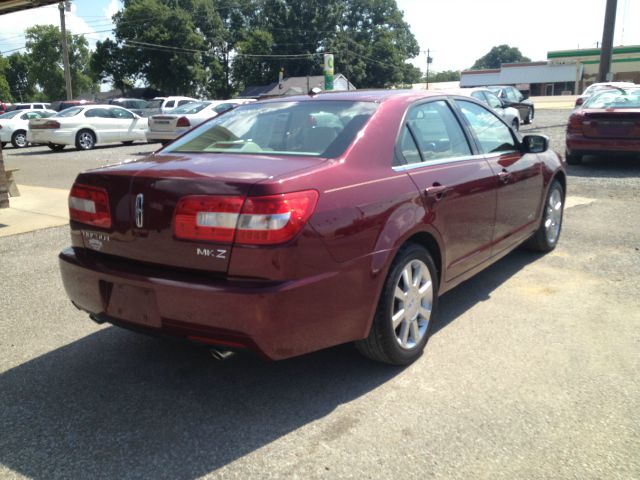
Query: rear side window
[[183, 102], [437, 131], [169, 104], [121, 113], [98, 113], [491, 133], [69, 112]]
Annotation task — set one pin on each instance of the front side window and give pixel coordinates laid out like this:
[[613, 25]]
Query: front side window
[[436, 131], [98, 113], [184, 102], [491, 133], [318, 128]]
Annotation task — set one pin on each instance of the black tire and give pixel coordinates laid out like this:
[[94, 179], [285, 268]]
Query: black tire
[[85, 140], [542, 240], [573, 158], [128, 142], [56, 147], [19, 139], [515, 124], [383, 343], [529, 118]]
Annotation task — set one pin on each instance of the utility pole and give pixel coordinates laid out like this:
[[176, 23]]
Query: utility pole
[[429, 60], [65, 49], [607, 41]]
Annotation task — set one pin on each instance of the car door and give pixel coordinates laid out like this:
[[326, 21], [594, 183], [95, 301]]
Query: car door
[[103, 124], [128, 127], [456, 182], [519, 175]]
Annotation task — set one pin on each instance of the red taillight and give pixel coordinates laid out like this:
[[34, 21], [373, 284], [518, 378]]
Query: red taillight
[[183, 122], [579, 101], [265, 220], [575, 123], [90, 205]]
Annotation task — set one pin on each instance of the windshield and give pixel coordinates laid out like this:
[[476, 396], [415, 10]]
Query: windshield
[[10, 114], [69, 112], [614, 98], [314, 128], [192, 107]]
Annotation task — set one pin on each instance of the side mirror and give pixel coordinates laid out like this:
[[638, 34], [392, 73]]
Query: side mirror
[[535, 143], [525, 95]]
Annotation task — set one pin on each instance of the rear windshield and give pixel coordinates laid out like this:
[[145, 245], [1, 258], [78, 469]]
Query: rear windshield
[[191, 107], [69, 112], [614, 98], [310, 128], [10, 114]]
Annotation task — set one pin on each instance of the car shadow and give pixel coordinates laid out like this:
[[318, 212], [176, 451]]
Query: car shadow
[[116, 404], [606, 166], [120, 405], [478, 289]]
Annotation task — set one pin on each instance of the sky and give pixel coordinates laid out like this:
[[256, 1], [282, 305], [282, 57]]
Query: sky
[[457, 32]]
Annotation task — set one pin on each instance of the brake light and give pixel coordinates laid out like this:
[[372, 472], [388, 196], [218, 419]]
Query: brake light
[[575, 123], [264, 220], [90, 205], [183, 122]]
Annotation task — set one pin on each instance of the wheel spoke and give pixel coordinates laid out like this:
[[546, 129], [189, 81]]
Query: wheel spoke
[[404, 332], [400, 294], [397, 318], [415, 330], [425, 288], [425, 312], [417, 278], [406, 276]]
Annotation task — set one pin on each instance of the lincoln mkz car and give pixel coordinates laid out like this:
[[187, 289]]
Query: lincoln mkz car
[[292, 225]]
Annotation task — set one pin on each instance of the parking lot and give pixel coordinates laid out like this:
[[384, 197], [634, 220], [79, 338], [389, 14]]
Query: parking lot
[[533, 370]]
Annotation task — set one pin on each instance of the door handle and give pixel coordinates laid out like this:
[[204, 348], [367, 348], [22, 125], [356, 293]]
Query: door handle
[[504, 176], [436, 191]]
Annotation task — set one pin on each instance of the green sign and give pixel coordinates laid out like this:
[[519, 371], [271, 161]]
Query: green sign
[[328, 71]]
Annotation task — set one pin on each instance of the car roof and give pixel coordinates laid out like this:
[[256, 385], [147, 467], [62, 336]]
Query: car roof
[[359, 95]]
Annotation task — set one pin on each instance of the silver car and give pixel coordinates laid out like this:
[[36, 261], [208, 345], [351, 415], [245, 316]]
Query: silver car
[[510, 115]]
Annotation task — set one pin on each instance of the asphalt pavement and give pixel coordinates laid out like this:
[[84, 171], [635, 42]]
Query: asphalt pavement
[[533, 370]]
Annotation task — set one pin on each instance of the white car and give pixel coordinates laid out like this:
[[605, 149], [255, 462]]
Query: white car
[[164, 104], [167, 127], [86, 126], [30, 106], [14, 125], [510, 115], [598, 87]]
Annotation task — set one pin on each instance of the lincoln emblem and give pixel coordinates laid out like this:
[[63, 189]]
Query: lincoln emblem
[[139, 210]]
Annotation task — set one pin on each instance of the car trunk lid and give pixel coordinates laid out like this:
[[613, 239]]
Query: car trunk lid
[[612, 124], [163, 123], [143, 196]]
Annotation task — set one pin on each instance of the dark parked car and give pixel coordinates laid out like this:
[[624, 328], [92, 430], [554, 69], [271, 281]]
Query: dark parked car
[[60, 105], [512, 97], [607, 123], [134, 105], [291, 225]]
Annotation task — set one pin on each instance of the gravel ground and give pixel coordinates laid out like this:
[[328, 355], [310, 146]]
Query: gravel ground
[[533, 370]]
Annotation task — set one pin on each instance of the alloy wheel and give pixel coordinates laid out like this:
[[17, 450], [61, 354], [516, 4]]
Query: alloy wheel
[[553, 216], [412, 304], [85, 140]]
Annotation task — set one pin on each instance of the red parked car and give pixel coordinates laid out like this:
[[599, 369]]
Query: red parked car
[[607, 123], [291, 225]]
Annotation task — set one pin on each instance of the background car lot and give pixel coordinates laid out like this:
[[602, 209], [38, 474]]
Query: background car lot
[[539, 382]]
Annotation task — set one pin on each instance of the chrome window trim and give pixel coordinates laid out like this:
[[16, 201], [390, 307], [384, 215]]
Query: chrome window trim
[[440, 161]]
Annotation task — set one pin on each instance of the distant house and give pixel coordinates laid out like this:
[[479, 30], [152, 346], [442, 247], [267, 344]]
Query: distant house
[[295, 86]]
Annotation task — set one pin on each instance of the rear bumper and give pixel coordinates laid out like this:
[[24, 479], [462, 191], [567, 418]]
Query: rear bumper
[[155, 136], [578, 144], [60, 137], [276, 319]]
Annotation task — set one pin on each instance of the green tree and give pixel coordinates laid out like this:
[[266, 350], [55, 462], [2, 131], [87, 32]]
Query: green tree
[[110, 62], [5, 90], [499, 55], [22, 87], [444, 76], [44, 50]]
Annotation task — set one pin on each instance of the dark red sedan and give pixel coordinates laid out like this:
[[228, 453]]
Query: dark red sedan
[[608, 123], [291, 225]]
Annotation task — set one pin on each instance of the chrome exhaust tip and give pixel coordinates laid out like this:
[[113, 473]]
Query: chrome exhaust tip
[[221, 354]]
